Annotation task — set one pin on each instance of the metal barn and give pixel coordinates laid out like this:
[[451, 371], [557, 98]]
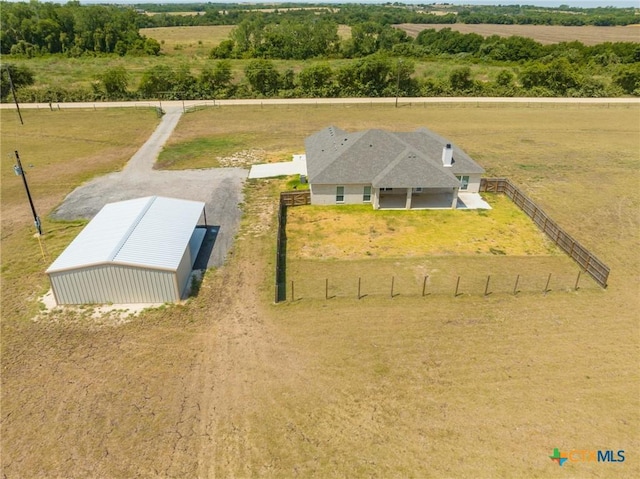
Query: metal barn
[[135, 251]]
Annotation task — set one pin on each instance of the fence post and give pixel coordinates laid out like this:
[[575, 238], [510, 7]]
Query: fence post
[[359, 281], [515, 288], [457, 285], [326, 288], [424, 284], [292, 292], [486, 286], [392, 280]]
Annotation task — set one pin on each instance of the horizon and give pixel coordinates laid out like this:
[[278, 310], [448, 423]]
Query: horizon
[[537, 3]]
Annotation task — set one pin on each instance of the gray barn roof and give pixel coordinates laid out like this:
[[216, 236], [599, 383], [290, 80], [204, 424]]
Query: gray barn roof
[[384, 159], [150, 232]]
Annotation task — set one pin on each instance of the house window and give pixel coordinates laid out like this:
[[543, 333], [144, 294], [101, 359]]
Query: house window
[[464, 182], [366, 194], [340, 194], [386, 189], [417, 190]]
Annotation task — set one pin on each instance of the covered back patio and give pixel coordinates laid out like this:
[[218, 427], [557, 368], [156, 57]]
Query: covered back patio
[[415, 198]]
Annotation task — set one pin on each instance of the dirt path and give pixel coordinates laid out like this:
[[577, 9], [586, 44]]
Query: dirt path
[[243, 361]]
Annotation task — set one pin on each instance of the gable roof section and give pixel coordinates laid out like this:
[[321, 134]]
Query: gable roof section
[[383, 159], [431, 144], [150, 232], [408, 169]]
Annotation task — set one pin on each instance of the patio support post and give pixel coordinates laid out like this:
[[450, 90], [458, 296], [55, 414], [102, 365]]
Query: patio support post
[[454, 203], [408, 203]]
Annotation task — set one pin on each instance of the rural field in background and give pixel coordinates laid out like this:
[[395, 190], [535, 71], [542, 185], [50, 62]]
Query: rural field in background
[[545, 34], [229, 384], [192, 45]]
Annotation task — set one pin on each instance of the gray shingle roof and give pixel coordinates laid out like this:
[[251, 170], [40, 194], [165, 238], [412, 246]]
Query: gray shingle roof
[[384, 159]]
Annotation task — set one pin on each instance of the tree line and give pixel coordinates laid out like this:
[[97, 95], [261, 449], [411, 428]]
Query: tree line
[[33, 29], [316, 38], [389, 13], [376, 75]]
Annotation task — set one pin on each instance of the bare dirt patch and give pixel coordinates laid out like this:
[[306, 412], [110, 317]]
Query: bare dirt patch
[[243, 159]]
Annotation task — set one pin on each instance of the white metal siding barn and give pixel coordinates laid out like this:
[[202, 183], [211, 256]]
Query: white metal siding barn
[[135, 251]]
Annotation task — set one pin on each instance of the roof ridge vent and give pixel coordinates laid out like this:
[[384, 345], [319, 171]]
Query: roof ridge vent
[[134, 225]]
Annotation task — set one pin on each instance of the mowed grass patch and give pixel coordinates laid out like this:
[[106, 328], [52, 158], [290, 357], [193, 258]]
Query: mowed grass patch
[[358, 231], [198, 153]]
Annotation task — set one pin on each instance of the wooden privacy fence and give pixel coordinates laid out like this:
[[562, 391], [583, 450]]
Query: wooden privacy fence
[[295, 198], [585, 259]]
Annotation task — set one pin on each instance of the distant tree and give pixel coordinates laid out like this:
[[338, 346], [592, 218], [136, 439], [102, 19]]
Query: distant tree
[[263, 77], [460, 79], [21, 76], [184, 83], [156, 80], [369, 76], [223, 50], [115, 81], [628, 78], [316, 80], [504, 78], [558, 76]]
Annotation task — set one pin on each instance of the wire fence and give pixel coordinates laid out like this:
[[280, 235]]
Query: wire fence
[[593, 273], [405, 285]]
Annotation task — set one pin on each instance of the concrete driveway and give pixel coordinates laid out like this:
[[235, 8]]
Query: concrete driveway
[[219, 188]]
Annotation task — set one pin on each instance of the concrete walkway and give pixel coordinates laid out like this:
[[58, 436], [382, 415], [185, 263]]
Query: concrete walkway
[[270, 170]]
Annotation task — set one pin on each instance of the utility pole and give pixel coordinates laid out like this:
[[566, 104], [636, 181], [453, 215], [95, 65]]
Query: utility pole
[[20, 172], [398, 83], [13, 92]]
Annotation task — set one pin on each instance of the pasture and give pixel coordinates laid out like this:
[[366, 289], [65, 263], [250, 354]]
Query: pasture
[[188, 41], [545, 34], [229, 384]]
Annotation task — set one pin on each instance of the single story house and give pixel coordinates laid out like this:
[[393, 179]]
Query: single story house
[[410, 170], [134, 251]]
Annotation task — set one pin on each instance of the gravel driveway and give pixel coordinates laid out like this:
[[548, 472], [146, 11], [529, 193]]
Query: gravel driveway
[[219, 188]]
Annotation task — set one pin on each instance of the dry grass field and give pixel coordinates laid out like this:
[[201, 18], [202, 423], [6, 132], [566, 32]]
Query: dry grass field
[[230, 385], [188, 41], [199, 40], [545, 34]]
